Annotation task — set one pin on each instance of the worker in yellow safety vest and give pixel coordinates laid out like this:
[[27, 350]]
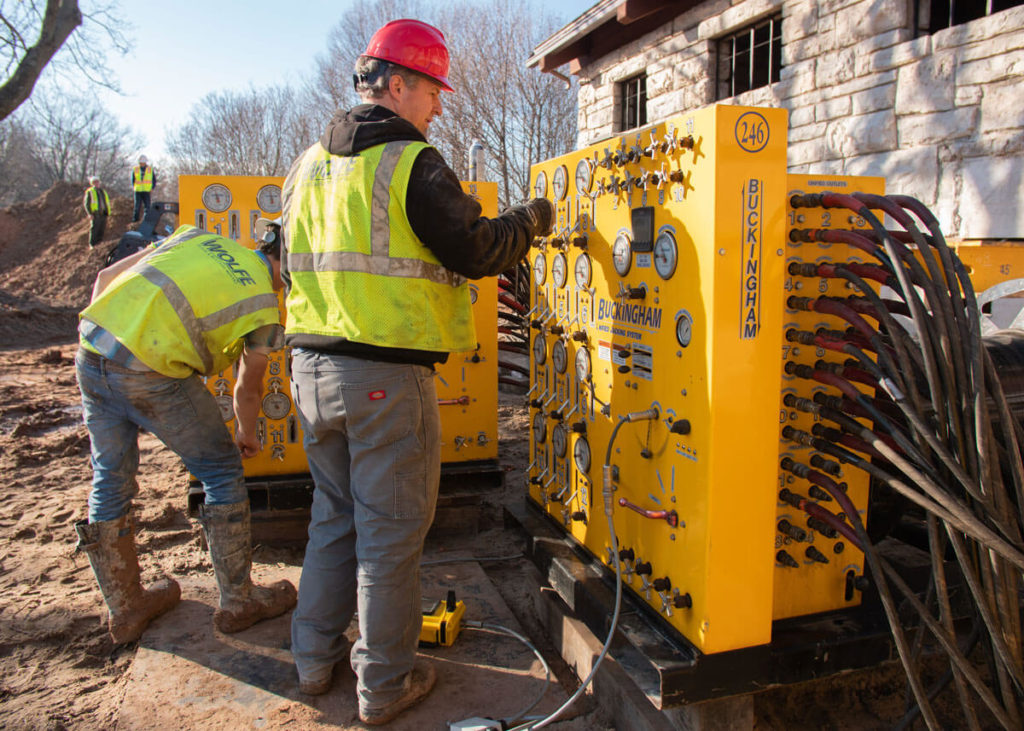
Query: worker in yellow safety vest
[[158, 321], [97, 205], [380, 240], [143, 182]]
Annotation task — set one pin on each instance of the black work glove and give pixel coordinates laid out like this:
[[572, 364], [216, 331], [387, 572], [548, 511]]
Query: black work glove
[[542, 215]]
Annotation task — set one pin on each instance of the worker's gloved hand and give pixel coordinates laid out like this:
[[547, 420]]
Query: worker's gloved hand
[[542, 215]]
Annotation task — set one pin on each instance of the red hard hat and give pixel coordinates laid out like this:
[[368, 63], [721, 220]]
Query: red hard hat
[[415, 45]]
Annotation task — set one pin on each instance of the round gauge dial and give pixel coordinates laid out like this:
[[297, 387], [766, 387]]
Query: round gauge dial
[[558, 269], [540, 427], [581, 454], [622, 254], [666, 254], [474, 292], [540, 350], [559, 440], [216, 198], [582, 364], [540, 269], [584, 176], [684, 329], [559, 182], [559, 356], [540, 185], [583, 271], [268, 198]]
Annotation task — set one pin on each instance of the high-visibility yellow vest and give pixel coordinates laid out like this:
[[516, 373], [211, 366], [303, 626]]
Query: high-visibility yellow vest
[[142, 182], [357, 269], [186, 307], [92, 201]]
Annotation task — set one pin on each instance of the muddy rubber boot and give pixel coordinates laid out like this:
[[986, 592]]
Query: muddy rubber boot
[[242, 603], [418, 683], [110, 546]]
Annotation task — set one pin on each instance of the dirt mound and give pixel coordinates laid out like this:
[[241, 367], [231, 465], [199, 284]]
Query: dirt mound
[[46, 266]]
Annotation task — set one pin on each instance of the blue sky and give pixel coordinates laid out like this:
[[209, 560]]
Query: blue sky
[[188, 48]]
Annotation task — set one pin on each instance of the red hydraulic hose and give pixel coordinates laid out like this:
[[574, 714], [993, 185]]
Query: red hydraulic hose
[[512, 304]]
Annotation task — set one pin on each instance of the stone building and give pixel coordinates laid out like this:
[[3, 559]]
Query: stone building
[[926, 93]]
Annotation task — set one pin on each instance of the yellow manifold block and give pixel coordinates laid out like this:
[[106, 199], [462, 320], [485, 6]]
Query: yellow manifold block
[[660, 293], [467, 385]]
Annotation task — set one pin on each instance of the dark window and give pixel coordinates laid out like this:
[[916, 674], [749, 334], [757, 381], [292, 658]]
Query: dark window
[[934, 15], [633, 102], [750, 58]]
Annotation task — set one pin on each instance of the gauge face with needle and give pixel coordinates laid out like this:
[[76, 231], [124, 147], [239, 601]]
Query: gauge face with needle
[[684, 329], [583, 271], [540, 186], [540, 269], [558, 267], [584, 176], [582, 364], [666, 254], [540, 427], [559, 356], [540, 350], [622, 255], [559, 182], [581, 454], [559, 440]]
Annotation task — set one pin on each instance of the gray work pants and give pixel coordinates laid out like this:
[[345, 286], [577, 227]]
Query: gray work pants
[[372, 436]]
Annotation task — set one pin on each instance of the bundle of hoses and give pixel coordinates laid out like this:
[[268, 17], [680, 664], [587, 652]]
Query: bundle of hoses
[[513, 334], [942, 437]]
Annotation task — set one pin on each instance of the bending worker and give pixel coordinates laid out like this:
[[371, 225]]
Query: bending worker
[[158, 320], [380, 239]]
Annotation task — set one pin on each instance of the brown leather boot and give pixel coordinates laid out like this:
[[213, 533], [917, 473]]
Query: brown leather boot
[[242, 603], [110, 546], [418, 683]]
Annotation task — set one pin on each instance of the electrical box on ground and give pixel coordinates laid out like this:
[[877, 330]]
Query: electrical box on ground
[[466, 384]]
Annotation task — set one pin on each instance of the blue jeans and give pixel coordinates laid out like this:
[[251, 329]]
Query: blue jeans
[[372, 434], [116, 401]]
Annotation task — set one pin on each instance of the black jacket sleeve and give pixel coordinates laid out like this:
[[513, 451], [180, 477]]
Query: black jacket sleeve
[[449, 222]]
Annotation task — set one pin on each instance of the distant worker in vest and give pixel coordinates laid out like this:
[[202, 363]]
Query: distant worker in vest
[[97, 204], [143, 182], [158, 320], [379, 242]]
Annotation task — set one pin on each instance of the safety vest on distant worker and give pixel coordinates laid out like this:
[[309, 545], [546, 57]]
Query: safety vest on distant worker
[[142, 182], [92, 201], [357, 269], [186, 307]]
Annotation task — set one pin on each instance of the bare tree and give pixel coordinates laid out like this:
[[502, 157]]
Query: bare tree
[[521, 116], [20, 174], [75, 137], [258, 132], [34, 32]]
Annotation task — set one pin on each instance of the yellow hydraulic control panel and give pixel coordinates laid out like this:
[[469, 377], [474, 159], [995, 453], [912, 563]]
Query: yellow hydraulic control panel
[[466, 385], [661, 293]]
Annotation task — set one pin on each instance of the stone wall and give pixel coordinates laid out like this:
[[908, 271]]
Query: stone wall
[[941, 117]]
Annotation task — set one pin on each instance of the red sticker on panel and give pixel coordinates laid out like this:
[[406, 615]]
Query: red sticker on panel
[[377, 395]]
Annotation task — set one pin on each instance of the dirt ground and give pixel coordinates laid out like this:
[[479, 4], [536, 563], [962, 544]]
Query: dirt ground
[[58, 668]]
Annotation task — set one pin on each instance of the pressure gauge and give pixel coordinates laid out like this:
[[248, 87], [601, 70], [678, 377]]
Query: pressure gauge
[[581, 454], [559, 440], [216, 198], [684, 329], [583, 271], [540, 427], [540, 186], [584, 176], [558, 270], [582, 364], [558, 182], [540, 350], [559, 356], [473, 294], [540, 269], [268, 198], [666, 254], [622, 255]]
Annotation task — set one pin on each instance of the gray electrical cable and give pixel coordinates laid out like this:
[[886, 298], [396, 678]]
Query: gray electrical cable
[[481, 626]]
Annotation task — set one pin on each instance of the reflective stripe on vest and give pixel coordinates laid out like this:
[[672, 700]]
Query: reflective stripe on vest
[[148, 329], [142, 182], [357, 269], [93, 200]]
